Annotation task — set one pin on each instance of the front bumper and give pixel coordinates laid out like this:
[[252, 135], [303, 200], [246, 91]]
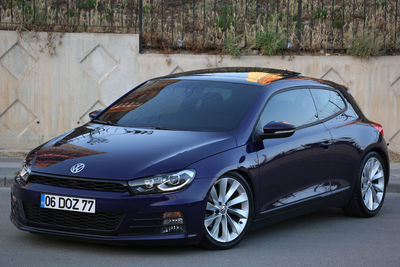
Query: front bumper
[[139, 217]]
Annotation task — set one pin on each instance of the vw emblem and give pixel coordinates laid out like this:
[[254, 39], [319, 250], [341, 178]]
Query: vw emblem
[[77, 167]]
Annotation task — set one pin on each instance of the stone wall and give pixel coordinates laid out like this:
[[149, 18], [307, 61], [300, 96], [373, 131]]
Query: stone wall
[[49, 82]]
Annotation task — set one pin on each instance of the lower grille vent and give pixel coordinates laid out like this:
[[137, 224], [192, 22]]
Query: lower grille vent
[[91, 221]]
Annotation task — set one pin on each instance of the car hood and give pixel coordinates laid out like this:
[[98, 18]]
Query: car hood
[[113, 152]]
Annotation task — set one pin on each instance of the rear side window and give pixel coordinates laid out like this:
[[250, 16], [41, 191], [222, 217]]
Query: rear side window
[[328, 102], [294, 106]]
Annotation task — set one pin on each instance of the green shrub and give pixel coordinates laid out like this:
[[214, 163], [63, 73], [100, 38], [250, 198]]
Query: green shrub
[[232, 48], [270, 43], [86, 5], [338, 23], [365, 46], [320, 13], [225, 17]]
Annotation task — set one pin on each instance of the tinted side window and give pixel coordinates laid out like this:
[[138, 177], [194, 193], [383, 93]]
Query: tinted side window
[[294, 106], [328, 102]]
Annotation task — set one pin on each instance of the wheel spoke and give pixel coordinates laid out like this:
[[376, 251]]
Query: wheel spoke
[[210, 219], [236, 227], [370, 200], [378, 187], [214, 196], [379, 195], [374, 196], [225, 231], [364, 190], [211, 207], [237, 200], [222, 190], [367, 168], [215, 229], [238, 212], [231, 190], [365, 174], [374, 168], [366, 196], [378, 175], [364, 179]]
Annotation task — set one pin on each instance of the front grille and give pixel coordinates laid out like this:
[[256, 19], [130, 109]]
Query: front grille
[[105, 221], [78, 184]]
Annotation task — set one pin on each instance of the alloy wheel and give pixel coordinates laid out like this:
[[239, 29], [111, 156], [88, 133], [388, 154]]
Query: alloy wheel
[[372, 184], [227, 210]]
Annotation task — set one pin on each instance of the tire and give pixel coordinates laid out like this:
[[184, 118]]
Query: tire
[[227, 215], [360, 203]]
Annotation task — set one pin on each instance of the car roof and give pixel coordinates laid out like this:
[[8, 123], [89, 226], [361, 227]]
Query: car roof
[[254, 76], [245, 75]]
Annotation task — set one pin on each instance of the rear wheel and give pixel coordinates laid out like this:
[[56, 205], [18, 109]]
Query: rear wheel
[[370, 188], [229, 212]]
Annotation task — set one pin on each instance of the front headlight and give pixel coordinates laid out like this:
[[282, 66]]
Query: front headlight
[[25, 171], [160, 183]]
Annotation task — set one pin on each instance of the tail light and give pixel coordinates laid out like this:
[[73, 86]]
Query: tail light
[[378, 127]]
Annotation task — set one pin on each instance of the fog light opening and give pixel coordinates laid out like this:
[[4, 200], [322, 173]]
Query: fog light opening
[[173, 223]]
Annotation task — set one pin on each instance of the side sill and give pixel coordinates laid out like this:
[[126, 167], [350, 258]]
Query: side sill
[[303, 206]]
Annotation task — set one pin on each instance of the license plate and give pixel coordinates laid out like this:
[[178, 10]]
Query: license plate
[[68, 203]]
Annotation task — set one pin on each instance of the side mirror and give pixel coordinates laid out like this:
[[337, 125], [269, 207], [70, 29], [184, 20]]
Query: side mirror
[[278, 129], [94, 113]]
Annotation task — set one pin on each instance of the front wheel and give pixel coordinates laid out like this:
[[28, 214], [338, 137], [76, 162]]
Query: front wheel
[[370, 187], [229, 212]]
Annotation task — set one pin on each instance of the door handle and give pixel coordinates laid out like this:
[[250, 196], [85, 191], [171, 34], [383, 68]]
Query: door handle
[[326, 144]]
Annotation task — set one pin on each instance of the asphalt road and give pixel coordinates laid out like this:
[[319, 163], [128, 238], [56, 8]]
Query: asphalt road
[[327, 238]]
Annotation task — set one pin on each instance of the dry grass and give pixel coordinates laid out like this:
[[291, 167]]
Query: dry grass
[[209, 25]]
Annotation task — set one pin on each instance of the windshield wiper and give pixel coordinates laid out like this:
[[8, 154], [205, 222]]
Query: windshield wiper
[[104, 122]]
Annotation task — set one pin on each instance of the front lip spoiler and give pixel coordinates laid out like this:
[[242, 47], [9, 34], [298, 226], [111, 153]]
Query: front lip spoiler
[[182, 238]]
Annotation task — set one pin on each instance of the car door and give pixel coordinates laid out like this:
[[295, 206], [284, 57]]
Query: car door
[[339, 118], [295, 168]]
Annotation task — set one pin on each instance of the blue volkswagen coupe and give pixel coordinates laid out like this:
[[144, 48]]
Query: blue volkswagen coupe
[[203, 157]]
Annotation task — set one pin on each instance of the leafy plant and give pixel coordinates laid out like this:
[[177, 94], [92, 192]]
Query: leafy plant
[[232, 48], [108, 13], [86, 5], [26, 8], [270, 43], [337, 23], [146, 10], [225, 17], [320, 13], [365, 46]]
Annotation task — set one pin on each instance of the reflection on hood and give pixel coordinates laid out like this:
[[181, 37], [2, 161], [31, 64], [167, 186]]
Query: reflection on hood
[[54, 154]]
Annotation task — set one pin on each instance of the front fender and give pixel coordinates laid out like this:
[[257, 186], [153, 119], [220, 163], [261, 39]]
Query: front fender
[[237, 159]]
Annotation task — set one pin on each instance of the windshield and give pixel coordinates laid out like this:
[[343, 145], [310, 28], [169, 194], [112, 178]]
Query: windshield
[[183, 105]]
